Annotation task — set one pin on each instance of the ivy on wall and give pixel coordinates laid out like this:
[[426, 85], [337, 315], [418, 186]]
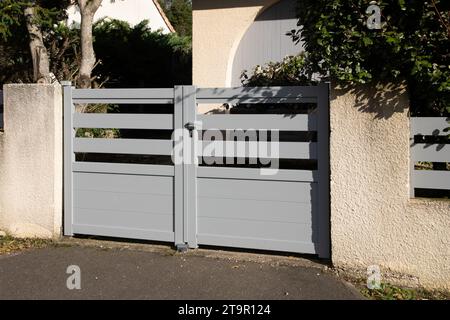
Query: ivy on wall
[[412, 44]]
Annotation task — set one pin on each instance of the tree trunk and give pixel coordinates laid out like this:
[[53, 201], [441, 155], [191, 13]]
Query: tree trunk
[[88, 8], [41, 61]]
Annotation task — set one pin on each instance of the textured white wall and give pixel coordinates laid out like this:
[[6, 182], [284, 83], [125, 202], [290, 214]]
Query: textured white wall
[[373, 220], [31, 161], [132, 11]]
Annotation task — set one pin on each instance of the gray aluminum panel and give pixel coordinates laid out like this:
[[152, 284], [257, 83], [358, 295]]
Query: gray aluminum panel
[[296, 122], [432, 179], [430, 152], [254, 243], [123, 146], [123, 168], [429, 125], [124, 202], [250, 149], [134, 94], [270, 212], [255, 174], [123, 121]]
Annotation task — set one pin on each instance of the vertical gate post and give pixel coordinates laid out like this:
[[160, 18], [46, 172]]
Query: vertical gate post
[[69, 157], [323, 166], [178, 184], [190, 137]]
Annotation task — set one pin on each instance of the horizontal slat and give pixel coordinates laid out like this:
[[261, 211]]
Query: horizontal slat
[[124, 168], [252, 243], [124, 204], [123, 93], [235, 211], [130, 233], [123, 146], [123, 101], [429, 125], [123, 121], [251, 149], [114, 183], [128, 219], [258, 190], [431, 179], [298, 122], [255, 174], [258, 92], [430, 152], [257, 229]]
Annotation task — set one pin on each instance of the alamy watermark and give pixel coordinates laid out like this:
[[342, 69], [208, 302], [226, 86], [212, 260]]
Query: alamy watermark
[[227, 147], [373, 22], [373, 277], [73, 282]]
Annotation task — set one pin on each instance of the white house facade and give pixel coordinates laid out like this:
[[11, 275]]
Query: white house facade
[[131, 11]]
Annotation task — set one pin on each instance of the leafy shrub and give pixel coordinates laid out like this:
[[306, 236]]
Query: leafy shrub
[[138, 57], [412, 45], [291, 71]]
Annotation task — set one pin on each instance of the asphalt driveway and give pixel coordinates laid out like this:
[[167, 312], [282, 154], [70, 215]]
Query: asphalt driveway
[[131, 274]]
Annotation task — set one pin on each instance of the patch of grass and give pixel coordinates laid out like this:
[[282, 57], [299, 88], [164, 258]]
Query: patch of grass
[[391, 292], [10, 244]]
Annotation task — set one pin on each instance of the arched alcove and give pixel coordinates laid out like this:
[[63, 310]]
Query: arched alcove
[[266, 39]]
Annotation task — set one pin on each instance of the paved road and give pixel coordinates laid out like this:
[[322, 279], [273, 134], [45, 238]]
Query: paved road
[[128, 274]]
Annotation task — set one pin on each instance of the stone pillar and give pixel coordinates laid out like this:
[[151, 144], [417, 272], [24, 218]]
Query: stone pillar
[[31, 161]]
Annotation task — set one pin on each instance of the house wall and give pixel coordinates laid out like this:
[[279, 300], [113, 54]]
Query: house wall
[[133, 12], [31, 161], [373, 219], [266, 40], [218, 27]]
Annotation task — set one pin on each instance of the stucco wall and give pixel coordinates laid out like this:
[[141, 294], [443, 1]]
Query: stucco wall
[[31, 161], [373, 220], [218, 27]]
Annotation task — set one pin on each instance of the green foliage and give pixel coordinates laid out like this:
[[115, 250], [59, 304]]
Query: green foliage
[[391, 292], [98, 133], [10, 244], [179, 13], [48, 12], [63, 45], [138, 57], [128, 57], [15, 58], [293, 70], [10, 16], [413, 45]]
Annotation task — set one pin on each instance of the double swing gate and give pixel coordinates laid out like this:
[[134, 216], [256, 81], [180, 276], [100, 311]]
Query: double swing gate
[[252, 172]]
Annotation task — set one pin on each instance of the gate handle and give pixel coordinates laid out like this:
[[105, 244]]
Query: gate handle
[[191, 127]]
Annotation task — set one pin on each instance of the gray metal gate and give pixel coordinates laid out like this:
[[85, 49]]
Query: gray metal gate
[[196, 204]]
